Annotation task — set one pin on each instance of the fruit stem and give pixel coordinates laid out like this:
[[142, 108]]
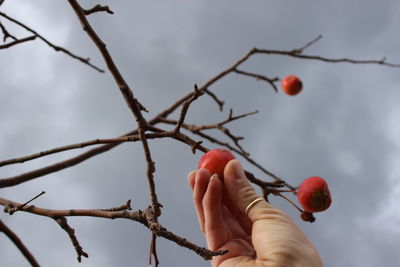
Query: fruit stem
[[277, 193]]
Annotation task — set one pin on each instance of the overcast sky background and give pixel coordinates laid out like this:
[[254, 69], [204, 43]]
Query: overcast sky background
[[344, 126]]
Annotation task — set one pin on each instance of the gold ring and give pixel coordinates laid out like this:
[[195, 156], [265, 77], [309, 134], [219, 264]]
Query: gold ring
[[254, 202]]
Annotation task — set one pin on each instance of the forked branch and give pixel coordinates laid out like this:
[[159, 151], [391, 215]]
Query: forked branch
[[18, 41], [55, 47], [147, 130], [145, 217]]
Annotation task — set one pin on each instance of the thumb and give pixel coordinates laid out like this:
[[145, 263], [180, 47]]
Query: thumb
[[275, 236], [241, 192]]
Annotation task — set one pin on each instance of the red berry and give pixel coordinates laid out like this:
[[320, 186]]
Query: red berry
[[215, 161], [307, 216], [313, 194], [291, 85]]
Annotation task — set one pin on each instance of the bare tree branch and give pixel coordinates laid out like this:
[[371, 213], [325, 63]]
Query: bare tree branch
[[307, 45], [185, 107], [153, 250], [6, 34], [18, 243], [144, 217], [117, 140], [24, 177], [31, 38], [126, 91], [296, 54], [219, 126], [145, 131], [194, 128], [219, 102], [21, 178], [259, 77], [62, 221], [158, 118], [125, 206], [55, 47], [255, 181], [12, 210], [97, 8], [134, 105]]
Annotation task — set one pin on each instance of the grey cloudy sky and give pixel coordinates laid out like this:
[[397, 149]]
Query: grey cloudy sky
[[344, 126]]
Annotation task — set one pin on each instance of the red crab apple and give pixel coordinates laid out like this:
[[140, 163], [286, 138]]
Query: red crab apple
[[215, 161], [307, 216], [291, 85], [313, 194]]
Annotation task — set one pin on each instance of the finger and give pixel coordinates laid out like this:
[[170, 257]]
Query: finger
[[275, 236], [240, 190], [200, 186], [267, 221], [231, 220], [191, 179], [235, 228], [217, 232], [243, 221]]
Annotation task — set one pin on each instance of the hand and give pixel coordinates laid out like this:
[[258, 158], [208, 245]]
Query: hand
[[265, 237]]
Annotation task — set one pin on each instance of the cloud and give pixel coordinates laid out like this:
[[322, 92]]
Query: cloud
[[387, 216], [343, 126]]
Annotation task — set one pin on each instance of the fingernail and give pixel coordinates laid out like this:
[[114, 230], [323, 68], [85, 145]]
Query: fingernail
[[190, 173], [213, 177]]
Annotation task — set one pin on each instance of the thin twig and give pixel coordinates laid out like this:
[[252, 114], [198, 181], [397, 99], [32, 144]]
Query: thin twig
[[125, 206], [153, 250], [97, 8], [18, 243], [325, 59], [6, 34], [55, 47], [203, 87], [155, 120], [288, 200], [134, 105], [11, 211], [278, 181], [138, 216], [195, 128], [27, 39], [253, 162], [62, 221], [149, 216], [185, 107], [219, 126], [195, 145], [235, 139], [259, 77], [124, 88], [117, 140], [24, 177], [219, 102], [307, 45]]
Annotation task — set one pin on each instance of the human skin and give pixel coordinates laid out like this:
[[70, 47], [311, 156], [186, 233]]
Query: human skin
[[264, 237]]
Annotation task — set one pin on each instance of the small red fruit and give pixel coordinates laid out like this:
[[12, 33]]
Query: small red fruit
[[291, 85], [307, 216], [313, 194], [215, 161]]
